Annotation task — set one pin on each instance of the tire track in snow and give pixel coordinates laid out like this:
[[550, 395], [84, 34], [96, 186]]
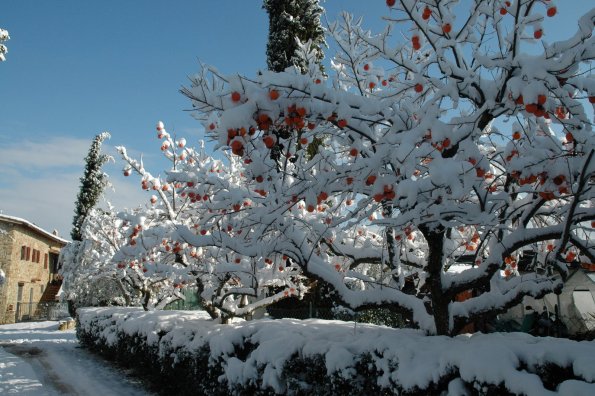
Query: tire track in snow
[[69, 370]]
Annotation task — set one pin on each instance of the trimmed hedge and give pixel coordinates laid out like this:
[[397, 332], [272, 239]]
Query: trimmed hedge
[[182, 353]]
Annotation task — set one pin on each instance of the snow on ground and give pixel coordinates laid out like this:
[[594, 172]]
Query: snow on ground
[[38, 359]]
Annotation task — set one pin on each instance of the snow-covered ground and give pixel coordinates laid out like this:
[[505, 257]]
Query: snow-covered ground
[[38, 359]]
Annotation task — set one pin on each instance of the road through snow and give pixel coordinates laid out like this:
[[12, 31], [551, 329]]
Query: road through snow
[[38, 359]]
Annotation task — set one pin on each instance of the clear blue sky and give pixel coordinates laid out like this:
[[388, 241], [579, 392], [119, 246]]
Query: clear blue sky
[[76, 68]]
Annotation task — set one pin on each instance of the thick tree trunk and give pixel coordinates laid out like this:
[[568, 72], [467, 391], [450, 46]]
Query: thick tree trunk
[[210, 309], [440, 301], [146, 299]]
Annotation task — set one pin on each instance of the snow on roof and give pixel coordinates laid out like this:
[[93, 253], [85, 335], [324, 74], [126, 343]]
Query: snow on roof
[[33, 227]]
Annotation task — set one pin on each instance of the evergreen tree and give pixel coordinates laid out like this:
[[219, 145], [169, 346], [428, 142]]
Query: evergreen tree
[[92, 184], [288, 20]]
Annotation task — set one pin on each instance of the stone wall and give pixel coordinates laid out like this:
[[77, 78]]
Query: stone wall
[[6, 246], [32, 277]]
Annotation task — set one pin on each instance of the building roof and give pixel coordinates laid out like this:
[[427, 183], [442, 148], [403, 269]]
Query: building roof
[[33, 227]]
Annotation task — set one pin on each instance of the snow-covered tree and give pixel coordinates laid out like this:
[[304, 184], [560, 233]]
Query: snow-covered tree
[[93, 182], [470, 142], [290, 22], [3, 38], [93, 276], [204, 195], [89, 278]]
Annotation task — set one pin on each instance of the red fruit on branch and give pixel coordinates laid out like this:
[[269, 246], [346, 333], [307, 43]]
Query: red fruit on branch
[[237, 147], [559, 179], [274, 94], [235, 96], [569, 137], [541, 99], [370, 180], [531, 108], [269, 141]]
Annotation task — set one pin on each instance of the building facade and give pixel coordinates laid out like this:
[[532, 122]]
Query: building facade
[[29, 261]]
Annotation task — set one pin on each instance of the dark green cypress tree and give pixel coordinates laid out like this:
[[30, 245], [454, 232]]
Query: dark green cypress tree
[[289, 19], [92, 184]]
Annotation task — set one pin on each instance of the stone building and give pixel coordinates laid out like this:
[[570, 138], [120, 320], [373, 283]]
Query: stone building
[[29, 263]]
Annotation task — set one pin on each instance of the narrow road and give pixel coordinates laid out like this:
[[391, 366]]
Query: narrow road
[[45, 362]]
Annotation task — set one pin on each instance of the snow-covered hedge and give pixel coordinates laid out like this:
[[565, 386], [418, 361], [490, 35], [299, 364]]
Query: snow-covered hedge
[[186, 353]]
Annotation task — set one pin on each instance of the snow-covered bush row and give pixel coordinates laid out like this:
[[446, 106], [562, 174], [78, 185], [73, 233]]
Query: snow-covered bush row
[[189, 354]]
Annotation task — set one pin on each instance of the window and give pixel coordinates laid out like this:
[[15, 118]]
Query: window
[[28, 255], [23, 252], [37, 256], [45, 261]]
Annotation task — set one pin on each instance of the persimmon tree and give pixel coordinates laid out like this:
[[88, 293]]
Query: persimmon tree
[[93, 276], [85, 265], [207, 197], [473, 138]]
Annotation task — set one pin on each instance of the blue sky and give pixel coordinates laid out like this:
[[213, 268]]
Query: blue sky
[[76, 68]]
